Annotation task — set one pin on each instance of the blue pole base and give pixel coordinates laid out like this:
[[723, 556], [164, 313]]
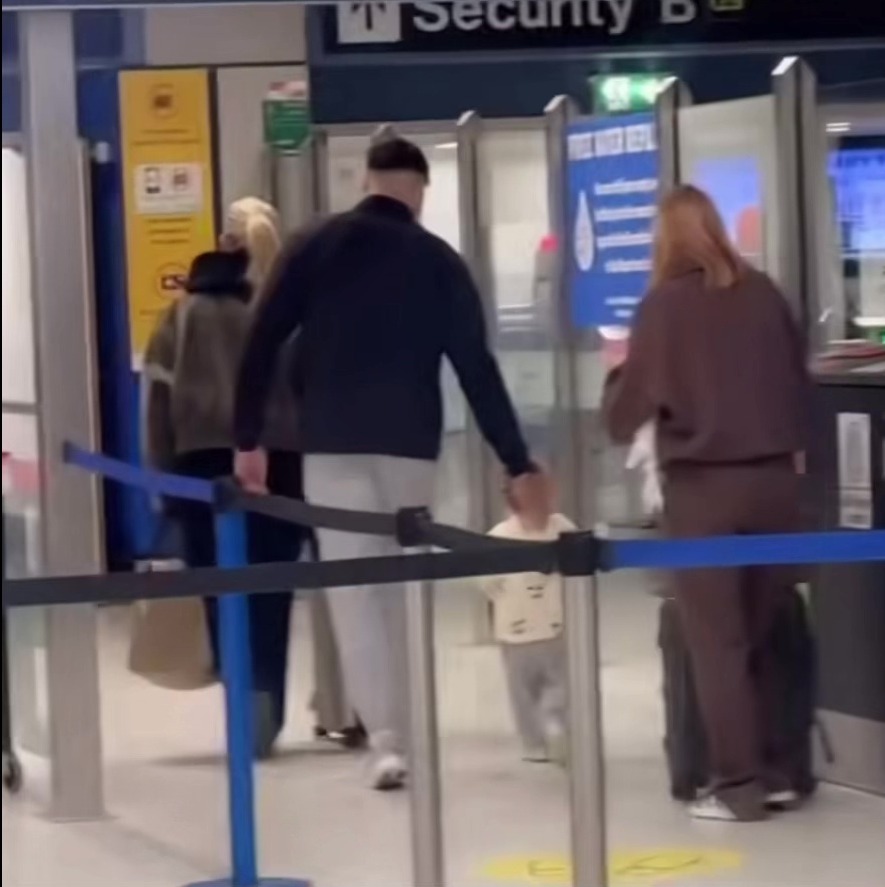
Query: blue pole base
[[263, 882]]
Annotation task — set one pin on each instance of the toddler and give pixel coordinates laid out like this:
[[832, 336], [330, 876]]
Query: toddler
[[528, 625]]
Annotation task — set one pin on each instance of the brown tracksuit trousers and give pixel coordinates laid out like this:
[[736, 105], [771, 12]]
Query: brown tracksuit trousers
[[728, 614]]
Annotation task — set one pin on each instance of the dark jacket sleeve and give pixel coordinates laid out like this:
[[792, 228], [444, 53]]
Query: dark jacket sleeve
[[279, 313], [466, 346], [628, 399]]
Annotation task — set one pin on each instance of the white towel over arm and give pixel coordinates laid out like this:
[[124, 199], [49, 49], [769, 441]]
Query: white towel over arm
[[643, 456]]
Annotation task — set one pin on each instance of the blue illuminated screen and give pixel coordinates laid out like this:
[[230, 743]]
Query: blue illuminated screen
[[858, 179]]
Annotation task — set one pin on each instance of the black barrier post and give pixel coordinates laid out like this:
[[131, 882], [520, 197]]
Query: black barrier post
[[12, 769], [578, 558]]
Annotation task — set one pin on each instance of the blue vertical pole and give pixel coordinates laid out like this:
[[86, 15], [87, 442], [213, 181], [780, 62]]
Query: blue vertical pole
[[236, 670]]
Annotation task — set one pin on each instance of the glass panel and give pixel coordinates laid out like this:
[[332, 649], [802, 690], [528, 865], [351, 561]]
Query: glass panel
[[347, 171], [26, 638], [729, 150], [512, 185], [18, 331], [442, 216], [347, 165], [21, 495], [855, 198], [508, 810], [21, 488], [456, 600]]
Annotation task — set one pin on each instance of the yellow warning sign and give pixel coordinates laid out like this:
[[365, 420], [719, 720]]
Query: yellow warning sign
[[628, 868], [168, 187]]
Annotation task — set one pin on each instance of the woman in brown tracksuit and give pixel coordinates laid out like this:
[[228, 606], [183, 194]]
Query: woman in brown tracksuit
[[717, 362]]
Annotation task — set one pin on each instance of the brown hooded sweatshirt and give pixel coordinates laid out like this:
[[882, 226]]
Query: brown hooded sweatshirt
[[721, 372]]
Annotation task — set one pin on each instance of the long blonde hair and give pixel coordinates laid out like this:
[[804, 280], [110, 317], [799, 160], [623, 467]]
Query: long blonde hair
[[691, 235], [255, 224]]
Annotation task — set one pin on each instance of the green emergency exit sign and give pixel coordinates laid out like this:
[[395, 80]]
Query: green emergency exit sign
[[615, 93], [286, 112]]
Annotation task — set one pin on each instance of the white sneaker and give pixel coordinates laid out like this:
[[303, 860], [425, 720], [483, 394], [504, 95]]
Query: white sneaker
[[389, 773], [557, 744], [784, 798], [711, 808]]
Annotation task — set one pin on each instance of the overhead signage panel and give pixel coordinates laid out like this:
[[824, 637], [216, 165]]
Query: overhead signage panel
[[21, 5], [483, 25]]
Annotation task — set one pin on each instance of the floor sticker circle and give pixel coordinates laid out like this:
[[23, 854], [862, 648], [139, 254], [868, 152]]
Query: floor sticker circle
[[644, 867]]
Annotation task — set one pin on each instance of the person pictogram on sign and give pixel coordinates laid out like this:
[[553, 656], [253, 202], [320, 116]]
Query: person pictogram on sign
[[369, 22]]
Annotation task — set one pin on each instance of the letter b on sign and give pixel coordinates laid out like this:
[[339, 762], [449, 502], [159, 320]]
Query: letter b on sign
[[370, 22], [678, 12]]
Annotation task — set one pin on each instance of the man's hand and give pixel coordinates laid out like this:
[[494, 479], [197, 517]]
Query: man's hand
[[531, 497], [250, 469]]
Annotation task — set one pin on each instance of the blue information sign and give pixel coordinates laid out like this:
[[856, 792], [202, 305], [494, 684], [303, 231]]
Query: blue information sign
[[612, 181]]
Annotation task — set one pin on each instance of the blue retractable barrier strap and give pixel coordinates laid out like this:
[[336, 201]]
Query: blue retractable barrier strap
[[742, 551], [155, 483], [468, 555], [731, 551]]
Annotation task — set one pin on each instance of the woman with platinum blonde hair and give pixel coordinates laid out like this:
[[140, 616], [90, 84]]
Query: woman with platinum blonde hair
[[190, 377], [253, 225]]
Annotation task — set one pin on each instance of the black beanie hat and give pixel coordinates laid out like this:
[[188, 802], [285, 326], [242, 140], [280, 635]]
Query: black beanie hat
[[220, 273]]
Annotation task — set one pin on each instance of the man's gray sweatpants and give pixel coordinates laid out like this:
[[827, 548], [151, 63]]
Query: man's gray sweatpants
[[369, 621]]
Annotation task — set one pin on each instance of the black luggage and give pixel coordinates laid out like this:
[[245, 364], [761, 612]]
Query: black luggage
[[685, 742], [12, 771]]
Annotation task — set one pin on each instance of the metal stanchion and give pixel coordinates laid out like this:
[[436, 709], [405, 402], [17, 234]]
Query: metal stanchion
[[428, 864], [236, 669], [236, 666], [586, 751]]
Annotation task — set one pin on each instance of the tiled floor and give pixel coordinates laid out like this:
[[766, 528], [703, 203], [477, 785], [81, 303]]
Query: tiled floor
[[506, 821]]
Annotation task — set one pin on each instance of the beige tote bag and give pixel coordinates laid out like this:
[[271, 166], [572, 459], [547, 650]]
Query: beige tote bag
[[170, 644]]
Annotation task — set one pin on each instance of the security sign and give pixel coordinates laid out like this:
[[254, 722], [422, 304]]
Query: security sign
[[512, 25]]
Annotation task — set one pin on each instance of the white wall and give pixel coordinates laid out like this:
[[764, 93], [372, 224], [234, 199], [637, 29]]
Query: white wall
[[514, 220], [514, 215], [242, 156], [347, 167], [263, 35], [210, 35], [18, 326]]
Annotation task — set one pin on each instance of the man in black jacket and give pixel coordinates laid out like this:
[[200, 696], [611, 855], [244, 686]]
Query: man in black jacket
[[379, 302]]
